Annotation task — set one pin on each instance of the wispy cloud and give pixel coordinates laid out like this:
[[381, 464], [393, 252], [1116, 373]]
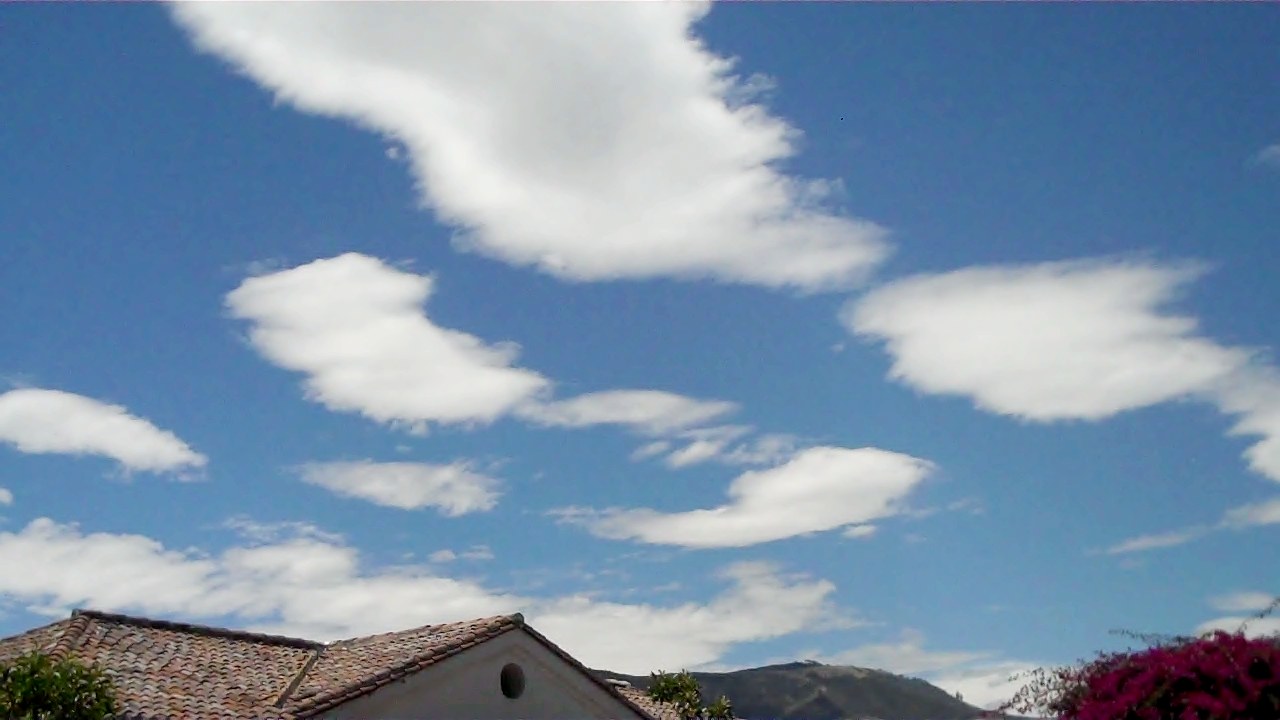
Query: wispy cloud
[[258, 532], [475, 553], [704, 444], [1268, 156], [988, 684], [860, 531], [1243, 601], [819, 489], [35, 420], [907, 656], [631, 152], [1266, 512], [647, 411], [726, 444], [1261, 620], [453, 489], [1142, 543], [982, 677]]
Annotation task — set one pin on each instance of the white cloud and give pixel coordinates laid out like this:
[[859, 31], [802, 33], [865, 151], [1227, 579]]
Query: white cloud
[[592, 141], [819, 489], [1251, 626], [1245, 516], [1243, 601], [475, 553], [983, 679], [648, 450], [1253, 394], [1155, 541], [356, 328], [718, 443], [759, 604], [1068, 340], [6, 496], [1269, 156], [765, 449], [698, 451], [36, 420], [653, 412], [268, 532], [1252, 514], [310, 586], [858, 532], [1054, 341], [454, 489], [907, 656], [988, 685], [703, 444]]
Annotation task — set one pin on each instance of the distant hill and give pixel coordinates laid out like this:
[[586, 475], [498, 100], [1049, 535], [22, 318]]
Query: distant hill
[[812, 691]]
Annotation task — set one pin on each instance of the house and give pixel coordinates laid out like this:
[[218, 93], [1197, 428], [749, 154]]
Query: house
[[488, 669]]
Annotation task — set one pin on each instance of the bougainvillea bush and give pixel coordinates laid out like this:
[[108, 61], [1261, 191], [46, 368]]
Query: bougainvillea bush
[[1219, 676]]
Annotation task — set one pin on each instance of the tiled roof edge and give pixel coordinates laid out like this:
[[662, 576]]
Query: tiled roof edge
[[600, 682], [204, 630], [316, 704], [76, 627]]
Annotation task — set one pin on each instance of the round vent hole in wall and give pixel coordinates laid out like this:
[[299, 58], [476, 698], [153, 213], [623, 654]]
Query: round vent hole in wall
[[511, 679]]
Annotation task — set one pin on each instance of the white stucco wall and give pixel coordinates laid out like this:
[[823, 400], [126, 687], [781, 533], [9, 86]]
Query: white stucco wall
[[466, 687]]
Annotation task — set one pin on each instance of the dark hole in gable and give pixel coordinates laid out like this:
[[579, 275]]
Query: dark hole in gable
[[511, 680]]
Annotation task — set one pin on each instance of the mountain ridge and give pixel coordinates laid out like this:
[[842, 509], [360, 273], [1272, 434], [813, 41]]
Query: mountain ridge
[[808, 690]]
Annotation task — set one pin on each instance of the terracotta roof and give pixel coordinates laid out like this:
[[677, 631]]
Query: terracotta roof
[[165, 669], [351, 668], [654, 708], [42, 638]]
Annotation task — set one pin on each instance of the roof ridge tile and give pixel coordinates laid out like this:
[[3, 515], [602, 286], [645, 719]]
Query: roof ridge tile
[[195, 629], [76, 628]]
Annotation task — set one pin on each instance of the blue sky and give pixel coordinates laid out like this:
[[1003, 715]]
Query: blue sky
[[928, 338]]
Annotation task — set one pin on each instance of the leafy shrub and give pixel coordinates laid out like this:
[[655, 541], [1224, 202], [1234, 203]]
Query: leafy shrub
[[34, 687], [683, 691]]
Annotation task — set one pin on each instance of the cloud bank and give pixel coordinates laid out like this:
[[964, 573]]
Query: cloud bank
[[591, 141], [304, 582]]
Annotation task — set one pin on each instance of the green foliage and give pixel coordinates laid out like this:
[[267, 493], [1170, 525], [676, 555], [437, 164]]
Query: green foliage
[[721, 709], [683, 691], [33, 687]]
